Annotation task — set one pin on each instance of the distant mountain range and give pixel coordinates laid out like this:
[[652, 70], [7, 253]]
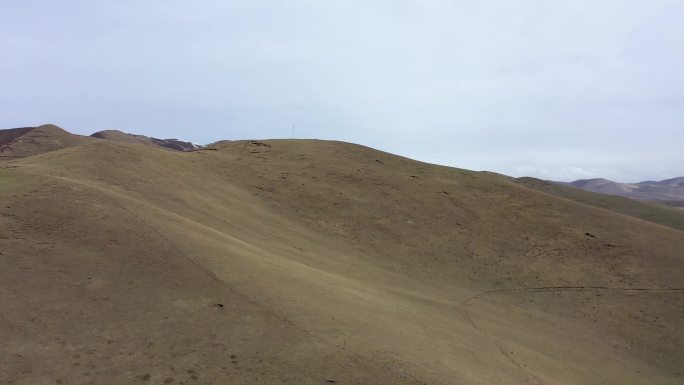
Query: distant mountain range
[[669, 191]]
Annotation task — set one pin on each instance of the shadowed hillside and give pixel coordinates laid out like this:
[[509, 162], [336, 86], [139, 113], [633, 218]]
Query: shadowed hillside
[[314, 262]]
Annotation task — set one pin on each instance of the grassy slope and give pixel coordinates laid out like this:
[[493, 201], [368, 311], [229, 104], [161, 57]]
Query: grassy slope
[[332, 262], [651, 212]]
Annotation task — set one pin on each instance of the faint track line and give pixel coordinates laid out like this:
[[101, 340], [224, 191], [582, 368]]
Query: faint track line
[[109, 194]]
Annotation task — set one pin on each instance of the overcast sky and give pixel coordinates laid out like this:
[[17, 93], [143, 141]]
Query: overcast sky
[[561, 89]]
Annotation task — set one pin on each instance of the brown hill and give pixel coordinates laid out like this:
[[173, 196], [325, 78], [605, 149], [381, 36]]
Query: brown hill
[[27, 141], [168, 144], [315, 262]]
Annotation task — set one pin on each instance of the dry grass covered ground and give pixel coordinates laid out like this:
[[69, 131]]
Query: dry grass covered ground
[[314, 262]]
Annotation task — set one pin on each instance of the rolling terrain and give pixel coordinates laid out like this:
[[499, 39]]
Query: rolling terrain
[[319, 262], [649, 211], [669, 191]]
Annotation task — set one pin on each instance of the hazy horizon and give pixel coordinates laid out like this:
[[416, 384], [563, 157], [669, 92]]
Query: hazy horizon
[[561, 91]]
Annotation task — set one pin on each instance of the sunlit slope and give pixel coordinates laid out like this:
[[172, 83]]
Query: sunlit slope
[[333, 262], [652, 212]]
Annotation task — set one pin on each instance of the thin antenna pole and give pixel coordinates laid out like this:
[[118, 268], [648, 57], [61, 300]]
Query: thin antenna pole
[[292, 130]]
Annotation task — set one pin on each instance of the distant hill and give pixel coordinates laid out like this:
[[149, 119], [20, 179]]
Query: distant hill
[[648, 211], [169, 144], [669, 191], [27, 141]]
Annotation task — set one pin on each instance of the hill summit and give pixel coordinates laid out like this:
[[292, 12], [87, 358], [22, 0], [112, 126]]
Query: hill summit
[[27, 141]]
